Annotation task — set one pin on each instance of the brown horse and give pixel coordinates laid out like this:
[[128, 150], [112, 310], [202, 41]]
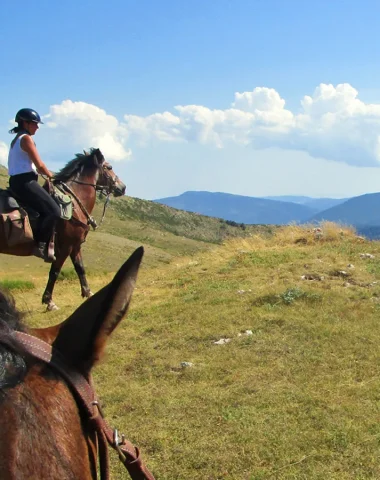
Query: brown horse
[[50, 424], [84, 176]]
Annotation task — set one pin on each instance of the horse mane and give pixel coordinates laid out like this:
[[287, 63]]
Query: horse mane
[[74, 166], [13, 366]]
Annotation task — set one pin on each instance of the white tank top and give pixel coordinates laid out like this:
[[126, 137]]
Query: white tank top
[[18, 159]]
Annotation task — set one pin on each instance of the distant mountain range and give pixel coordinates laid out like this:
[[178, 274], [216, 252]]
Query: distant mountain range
[[317, 204], [238, 208], [269, 210], [362, 212]]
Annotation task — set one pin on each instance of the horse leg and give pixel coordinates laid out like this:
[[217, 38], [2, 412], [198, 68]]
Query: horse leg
[[76, 258], [47, 297]]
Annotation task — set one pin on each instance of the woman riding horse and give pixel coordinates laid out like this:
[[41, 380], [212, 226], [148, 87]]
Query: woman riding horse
[[24, 164]]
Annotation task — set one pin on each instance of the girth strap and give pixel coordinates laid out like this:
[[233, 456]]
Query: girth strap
[[86, 398]]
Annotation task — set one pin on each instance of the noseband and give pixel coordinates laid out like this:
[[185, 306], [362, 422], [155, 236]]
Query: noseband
[[85, 396]]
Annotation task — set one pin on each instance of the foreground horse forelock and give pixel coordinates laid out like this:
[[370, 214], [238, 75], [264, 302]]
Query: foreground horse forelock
[[50, 423], [83, 176]]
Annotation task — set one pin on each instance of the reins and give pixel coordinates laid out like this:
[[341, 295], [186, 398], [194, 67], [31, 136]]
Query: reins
[[90, 219], [105, 190], [85, 396]]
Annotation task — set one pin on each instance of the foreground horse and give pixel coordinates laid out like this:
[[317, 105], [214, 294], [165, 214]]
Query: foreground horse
[[84, 175], [50, 424]]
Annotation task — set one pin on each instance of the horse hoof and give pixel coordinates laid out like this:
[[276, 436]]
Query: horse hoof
[[51, 307]]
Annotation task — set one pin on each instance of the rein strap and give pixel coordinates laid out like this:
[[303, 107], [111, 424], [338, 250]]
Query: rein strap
[[86, 398], [91, 221]]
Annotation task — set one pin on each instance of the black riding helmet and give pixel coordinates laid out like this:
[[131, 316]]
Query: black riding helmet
[[28, 115]]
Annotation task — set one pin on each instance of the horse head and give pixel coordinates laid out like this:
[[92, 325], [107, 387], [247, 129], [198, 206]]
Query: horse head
[[93, 167], [107, 179], [49, 417]]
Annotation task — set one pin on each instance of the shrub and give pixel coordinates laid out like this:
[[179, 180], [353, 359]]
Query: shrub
[[287, 298]]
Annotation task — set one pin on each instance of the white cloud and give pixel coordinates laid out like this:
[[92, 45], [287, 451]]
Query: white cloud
[[81, 125], [163, 126], [333, 123], [3, 153]]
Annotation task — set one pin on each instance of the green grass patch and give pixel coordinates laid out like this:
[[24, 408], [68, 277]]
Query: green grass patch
[[67, 274], [373, 266], [13, 285]]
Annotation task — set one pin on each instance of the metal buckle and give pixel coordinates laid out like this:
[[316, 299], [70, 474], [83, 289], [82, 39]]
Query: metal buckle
[[117, 443]]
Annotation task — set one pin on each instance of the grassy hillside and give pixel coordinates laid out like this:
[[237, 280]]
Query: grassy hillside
[[130, 222], [138, 218], [293, 393]]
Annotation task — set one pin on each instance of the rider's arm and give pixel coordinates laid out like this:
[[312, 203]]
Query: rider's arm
[[29, 147]]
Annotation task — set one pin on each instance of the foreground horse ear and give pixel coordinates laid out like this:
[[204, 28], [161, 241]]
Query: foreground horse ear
[[82, 337]]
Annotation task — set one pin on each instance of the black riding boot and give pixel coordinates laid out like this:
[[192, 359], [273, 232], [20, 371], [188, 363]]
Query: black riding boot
[[39, 250], [45, 247]]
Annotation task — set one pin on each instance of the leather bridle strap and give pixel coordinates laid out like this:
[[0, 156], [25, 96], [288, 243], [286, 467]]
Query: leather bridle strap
[[86, 398]]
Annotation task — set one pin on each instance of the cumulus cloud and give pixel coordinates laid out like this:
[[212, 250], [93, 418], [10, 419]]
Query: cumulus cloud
[[163, 126], [3, 153], [332, 123], [81, 124]]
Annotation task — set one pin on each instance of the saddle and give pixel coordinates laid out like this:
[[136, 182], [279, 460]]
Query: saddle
[[21, 222]]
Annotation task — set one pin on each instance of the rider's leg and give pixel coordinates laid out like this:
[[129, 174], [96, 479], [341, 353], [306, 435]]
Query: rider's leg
[[29, 190]]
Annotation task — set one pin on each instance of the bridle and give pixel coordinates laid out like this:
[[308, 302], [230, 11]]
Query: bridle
[[105, 190], [85, 396]]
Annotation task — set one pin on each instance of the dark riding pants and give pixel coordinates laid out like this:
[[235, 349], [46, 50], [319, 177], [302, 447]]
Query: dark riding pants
[[26, 186]]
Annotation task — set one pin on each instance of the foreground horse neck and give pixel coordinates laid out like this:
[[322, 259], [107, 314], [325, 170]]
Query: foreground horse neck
[[36, 446]]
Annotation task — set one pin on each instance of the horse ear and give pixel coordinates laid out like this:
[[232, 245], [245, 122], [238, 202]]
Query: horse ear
[[98, 156], [82, 337], [85, 153]]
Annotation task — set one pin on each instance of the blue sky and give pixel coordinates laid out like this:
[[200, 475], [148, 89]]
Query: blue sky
[[252, 97]]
